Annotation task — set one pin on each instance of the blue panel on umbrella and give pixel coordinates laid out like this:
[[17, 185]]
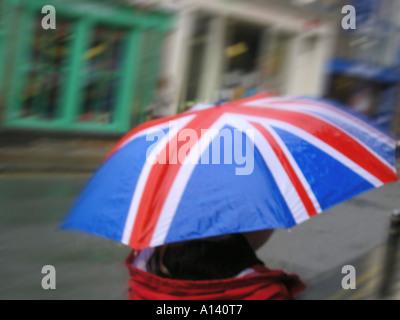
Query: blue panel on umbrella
[[217, 201], [103, 206], [330, 180]]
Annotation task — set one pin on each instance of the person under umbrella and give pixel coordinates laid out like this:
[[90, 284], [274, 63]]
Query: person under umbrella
[[224, 267], [297, 158]]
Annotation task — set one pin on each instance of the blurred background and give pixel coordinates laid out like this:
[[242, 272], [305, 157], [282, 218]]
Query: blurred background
[[67, 95]]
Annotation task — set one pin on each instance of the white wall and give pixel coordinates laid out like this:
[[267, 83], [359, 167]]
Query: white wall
[[305, 72], [213, 65], [175, 57]]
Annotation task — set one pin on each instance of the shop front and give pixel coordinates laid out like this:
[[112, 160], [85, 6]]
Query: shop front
[[251, 47], [248, 58], [255, 58], [95, 72]]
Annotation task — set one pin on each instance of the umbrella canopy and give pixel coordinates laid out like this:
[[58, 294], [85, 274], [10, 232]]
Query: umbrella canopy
[[259, 163]]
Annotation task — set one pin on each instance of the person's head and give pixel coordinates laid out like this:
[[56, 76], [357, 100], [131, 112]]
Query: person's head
[[204, 259]]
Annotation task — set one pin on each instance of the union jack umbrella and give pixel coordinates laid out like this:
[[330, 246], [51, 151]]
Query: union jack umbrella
[[307, 155]]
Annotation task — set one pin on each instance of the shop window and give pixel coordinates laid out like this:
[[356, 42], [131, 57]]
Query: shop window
[[196, 65], [47, 57], [197, 52], [147, 74], [275, 71], [243, 61], [243, 48], [102, 75]]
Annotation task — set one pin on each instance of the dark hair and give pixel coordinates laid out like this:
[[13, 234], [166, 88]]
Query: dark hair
[[205, 259]]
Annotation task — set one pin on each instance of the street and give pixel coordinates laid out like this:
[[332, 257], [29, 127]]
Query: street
[[89, 267]]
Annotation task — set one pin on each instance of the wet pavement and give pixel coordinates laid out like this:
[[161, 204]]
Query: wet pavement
[[32, 207], [87, 267]]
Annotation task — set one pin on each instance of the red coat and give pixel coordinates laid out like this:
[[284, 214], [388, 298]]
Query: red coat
[[263, 284]]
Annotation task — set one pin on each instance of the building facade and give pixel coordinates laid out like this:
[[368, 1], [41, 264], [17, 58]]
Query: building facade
[[227, 50], [97, 72]]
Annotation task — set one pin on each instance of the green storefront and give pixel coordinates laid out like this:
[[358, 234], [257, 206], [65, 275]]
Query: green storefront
[[95, 72]]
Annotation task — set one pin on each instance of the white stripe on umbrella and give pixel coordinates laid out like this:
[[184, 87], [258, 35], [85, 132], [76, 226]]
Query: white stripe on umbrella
[[137, 195], [285, 185], [178, 187], [293, 164], [281, 178]]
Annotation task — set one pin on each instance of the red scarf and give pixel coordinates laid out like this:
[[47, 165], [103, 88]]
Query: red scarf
[[265, 284]]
